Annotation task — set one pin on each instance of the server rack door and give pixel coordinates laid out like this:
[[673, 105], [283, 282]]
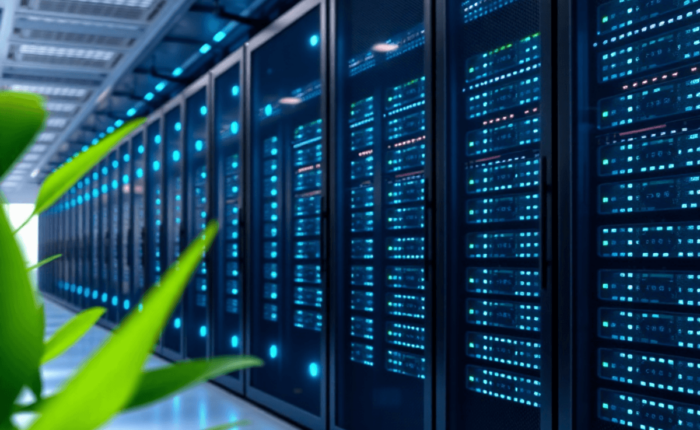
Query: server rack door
[[175, 240], [637, 233], [494, 169], [154, 205], [79, 251], [286, 189], [197, 149], [72, 248], [126, 244], [138, 240], [114, 249], [86, 229], [105, 230], [96, 235], [381, 322], [226, 204]]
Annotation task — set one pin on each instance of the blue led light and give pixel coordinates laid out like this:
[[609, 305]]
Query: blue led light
[[95, 141], [199, 145], [203, 110], [273, 351], [177, 323], [141, 149], [131, 112], [104, 297], [95, 193], [115, 301], [178, 126], [176, 155], [177, 71], [203, 331], [102, 135], [95, 176], [119, 123], [126, 158], [105, 171], [234, 341], [157, 139], [313, 370], [125, 179], [161, 86], [110, 129], [218, 37], [94, 295], [80, 200], [105, 188], [156, 165], [115, 184], [115, 164], [149, 96], [127, 304], [84, 148], [235, 90], [203, 214], [234, 127], [205, 48], [139, 173], [268, 110], [313, 41]]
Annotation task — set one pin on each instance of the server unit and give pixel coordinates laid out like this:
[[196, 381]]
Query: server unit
[[154, 206], [197, 148], [113, 233], [381, 340], [86, 229], [174, 215], [225, 257], [96, 238], [287, 323], [635, 196]]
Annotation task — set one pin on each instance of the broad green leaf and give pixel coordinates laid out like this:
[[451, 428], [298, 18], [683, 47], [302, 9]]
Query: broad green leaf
[[160, 383], [71, 332], [60, 181], [109, 379], [21, 117], [233, 425], [44, 261], [35, 384], [21, 327]]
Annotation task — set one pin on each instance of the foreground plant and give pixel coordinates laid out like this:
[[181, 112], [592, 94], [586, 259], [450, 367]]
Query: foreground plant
[[112, 380]]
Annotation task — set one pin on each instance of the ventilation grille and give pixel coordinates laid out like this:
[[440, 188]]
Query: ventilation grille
[[93, 9], [76, 38]]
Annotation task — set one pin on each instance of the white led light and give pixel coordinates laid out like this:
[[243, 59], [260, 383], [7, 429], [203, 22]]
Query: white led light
[[51, 91], [46, 137], [56, 122], [60, 107], [290, 101], [55, 51], [384, 47]]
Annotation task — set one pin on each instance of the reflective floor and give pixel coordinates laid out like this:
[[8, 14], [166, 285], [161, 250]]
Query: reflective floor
[[198, 408]]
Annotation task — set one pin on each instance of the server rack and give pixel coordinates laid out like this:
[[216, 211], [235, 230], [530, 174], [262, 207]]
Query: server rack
[[72, 257], [79, 250], [637, 240], [381, 338], [227, 261], [198, 174], [174, 216], [138, 239], [113, 231], [154, 202], [287, 324], [86, 229], [96, 237], [126, 236]]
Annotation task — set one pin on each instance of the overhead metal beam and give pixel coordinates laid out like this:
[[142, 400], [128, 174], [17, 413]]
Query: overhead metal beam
[[61, 44], [58, 70], [220, 12], [95, 19], [77, 26]]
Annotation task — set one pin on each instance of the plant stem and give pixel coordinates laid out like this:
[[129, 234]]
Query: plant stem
[[23, 224]]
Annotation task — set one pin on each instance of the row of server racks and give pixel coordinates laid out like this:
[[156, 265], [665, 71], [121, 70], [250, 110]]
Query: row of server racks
[[462, 214]]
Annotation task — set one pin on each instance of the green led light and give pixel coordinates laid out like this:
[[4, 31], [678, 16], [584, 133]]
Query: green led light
[[605, 200], [605, 114], [605, 19], [605, 162], [605, 243], [605, 286], [605, 364], [605, 406], [605, 324]]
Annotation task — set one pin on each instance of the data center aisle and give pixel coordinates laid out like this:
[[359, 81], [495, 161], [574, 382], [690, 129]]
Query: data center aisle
[[198, 408]]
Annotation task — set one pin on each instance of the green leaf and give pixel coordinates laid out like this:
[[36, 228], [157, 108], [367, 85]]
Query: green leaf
[[109, 379], [71, 332], [233, 425], [21, 326], [44, 261], [160, 383], [36, 384], [60, 181], [21, 117]]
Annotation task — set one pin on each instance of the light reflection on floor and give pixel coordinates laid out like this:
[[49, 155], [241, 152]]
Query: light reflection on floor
[[198, 408]]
